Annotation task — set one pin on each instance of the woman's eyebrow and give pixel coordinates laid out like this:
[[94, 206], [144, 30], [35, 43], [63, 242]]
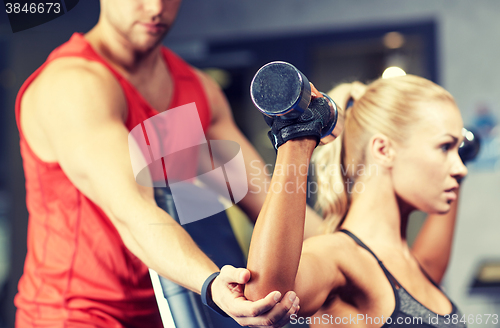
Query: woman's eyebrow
[[455, 139]]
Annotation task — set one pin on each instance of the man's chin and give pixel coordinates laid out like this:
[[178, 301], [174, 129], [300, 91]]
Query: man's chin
[[148, 43]]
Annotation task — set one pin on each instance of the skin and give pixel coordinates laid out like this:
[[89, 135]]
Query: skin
[[73, 114], [432, 247], [428, 167], [329, 272]]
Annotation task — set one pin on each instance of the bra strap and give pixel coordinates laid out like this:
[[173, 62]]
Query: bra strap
[[427, 275], [360, 243]]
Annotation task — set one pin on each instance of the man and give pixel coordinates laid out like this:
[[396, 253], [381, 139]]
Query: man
[[94, 231]]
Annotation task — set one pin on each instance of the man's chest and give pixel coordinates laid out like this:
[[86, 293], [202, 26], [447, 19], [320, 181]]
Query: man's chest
[[157, 90]]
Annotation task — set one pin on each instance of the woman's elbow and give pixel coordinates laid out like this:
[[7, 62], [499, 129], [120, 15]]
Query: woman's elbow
[[258, 288]]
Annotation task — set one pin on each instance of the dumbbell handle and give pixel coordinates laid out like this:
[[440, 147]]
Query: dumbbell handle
[[338, 126]]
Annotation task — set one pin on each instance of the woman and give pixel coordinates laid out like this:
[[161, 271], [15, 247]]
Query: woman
[[398, 153]]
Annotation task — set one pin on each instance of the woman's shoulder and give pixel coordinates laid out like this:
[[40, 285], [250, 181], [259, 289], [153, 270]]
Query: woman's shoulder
[[320, 273], [329, 241], [353, 272], [336, 248]]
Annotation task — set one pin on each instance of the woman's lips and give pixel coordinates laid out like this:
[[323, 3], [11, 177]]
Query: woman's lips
[[454, 188], [450, 193]]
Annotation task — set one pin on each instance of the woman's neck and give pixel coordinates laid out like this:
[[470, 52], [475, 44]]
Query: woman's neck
[[376, 215]]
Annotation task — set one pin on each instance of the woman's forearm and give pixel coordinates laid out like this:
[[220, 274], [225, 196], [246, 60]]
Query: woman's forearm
[[278, 234], [432, 247]]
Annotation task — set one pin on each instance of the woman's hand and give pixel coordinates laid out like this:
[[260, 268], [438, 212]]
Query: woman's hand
[[313, 122]]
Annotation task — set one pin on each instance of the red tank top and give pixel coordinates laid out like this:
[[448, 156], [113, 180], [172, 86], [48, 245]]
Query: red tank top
[[78, 272]]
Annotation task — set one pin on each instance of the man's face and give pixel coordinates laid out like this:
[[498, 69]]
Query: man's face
[[142, 23]]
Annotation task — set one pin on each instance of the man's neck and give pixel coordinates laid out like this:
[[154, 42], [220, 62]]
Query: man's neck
[[118, 51]]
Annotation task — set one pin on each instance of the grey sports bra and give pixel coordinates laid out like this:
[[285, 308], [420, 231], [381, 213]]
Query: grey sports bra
[[408, 311]]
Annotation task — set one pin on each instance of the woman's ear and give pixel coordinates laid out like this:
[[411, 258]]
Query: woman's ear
[[382, 150]]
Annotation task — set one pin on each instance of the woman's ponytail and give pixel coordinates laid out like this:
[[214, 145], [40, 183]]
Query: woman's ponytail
[[329, 160], [332, 199]]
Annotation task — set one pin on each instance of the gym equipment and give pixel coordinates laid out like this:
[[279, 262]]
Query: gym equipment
[[470, 147], [278, 89]]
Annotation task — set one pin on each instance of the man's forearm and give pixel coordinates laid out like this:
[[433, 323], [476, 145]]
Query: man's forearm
[[162, 244]]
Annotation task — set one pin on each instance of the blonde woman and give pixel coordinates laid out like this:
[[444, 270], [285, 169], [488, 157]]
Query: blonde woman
[[398, 153]]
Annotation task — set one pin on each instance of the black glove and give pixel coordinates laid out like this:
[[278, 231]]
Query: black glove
[[314, 122]]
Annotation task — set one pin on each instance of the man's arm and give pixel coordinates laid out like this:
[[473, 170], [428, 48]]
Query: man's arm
[[432, 247], [80, 109], [223, 127]]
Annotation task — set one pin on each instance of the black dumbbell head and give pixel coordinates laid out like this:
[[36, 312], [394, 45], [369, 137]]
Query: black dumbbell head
[[470, 147], [280, 89]]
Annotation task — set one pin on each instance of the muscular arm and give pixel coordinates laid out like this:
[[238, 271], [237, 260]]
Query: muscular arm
[[432, 247], [223, 127], [276, 247]]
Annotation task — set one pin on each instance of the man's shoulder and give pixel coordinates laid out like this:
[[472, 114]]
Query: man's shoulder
[[73, 82], [75, 75], [68, 90], [76, 70]]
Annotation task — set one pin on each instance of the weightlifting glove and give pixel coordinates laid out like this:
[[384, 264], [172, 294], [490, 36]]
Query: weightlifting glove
[[315, 121]]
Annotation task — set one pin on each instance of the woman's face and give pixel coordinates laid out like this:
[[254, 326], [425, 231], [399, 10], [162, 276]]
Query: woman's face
[[427, 166]]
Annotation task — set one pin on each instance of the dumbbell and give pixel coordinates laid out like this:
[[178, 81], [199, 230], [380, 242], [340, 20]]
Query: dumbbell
[[280, 89], [469, 148]]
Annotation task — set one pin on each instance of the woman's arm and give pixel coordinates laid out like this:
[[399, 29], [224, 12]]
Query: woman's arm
[[277, 238], [432, 247], [223, 127], [276, 258], [275, 250]]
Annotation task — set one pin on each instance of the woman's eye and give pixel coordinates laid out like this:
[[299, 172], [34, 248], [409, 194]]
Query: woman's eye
[[446, 147]]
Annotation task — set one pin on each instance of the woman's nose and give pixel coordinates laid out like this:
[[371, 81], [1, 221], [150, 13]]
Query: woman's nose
[[459, 170]]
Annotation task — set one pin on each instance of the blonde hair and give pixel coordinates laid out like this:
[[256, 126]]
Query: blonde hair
[[386, 106]]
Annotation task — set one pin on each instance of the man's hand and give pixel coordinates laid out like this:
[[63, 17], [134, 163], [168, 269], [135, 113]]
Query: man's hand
[[227, 293]]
